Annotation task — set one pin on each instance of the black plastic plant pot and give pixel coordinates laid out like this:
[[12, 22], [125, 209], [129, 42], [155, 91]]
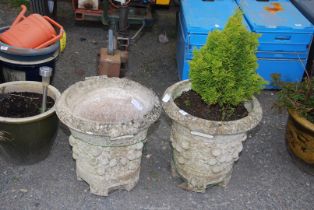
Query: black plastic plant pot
[[28, 140], [20, 64]]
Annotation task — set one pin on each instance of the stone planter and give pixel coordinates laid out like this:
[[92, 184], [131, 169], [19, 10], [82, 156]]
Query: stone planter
[[300, 138], [28, 140], [204, 151], [108, 119]]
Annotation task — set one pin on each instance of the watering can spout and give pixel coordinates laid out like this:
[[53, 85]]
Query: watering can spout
[[21, 16]]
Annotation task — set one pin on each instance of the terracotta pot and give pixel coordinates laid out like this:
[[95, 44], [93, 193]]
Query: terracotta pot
[[300, 137], [204, 151]]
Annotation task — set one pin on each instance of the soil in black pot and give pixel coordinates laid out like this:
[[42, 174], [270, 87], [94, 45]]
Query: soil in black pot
[[22, 104], [192, 103]]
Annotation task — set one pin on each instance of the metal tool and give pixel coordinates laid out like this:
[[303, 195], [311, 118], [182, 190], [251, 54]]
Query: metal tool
[[45, 72]]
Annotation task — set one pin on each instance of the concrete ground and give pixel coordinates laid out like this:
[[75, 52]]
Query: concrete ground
[[263, 178]]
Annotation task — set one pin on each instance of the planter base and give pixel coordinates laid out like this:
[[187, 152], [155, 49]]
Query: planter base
[[201, 161], [107, 168], [303, 166], [201, 187]]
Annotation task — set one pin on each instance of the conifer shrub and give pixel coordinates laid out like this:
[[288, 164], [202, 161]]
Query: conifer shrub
[[223, 71]]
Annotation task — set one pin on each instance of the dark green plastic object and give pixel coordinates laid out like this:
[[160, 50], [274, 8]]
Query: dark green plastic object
[[30, 142]]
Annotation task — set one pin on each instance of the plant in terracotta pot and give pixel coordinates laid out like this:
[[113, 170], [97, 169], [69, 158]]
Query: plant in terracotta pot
[[213, 111], [298, 98]]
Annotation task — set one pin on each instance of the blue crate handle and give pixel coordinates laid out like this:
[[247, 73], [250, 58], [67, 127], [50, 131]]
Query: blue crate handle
[[283, 38]]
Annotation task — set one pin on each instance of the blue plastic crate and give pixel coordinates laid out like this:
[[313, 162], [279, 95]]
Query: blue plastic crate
[[285, 39], [284, 30], [290, 70], [288, 20], [196, 19]]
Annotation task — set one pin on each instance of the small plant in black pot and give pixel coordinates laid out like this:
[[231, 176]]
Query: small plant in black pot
[[213, 111], [298, 99]]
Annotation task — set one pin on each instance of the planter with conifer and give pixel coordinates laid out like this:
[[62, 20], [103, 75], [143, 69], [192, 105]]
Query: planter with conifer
[[213, 111]]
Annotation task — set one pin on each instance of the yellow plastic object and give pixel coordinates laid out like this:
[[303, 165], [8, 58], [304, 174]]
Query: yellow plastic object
[[63, 42], [162, 2]]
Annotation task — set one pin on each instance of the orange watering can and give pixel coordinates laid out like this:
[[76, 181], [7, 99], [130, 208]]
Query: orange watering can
[[34, 31]]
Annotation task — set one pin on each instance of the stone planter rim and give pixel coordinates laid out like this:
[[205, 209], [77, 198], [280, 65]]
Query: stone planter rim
[[51, 89], [301, 120], [91, 127], [212, 127]]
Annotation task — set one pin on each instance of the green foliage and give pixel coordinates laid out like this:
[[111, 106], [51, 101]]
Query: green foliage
[[296, 96], [223, 71]]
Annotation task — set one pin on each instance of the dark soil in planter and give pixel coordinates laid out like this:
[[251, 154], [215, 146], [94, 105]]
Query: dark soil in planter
[[22, 104], [192, 103]]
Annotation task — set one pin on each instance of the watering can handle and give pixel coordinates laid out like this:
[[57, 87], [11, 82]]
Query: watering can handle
[[21, 16], [55, 38]]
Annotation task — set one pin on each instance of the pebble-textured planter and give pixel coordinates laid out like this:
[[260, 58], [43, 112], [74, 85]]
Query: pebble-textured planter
[[204, 151], [108, 119]]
